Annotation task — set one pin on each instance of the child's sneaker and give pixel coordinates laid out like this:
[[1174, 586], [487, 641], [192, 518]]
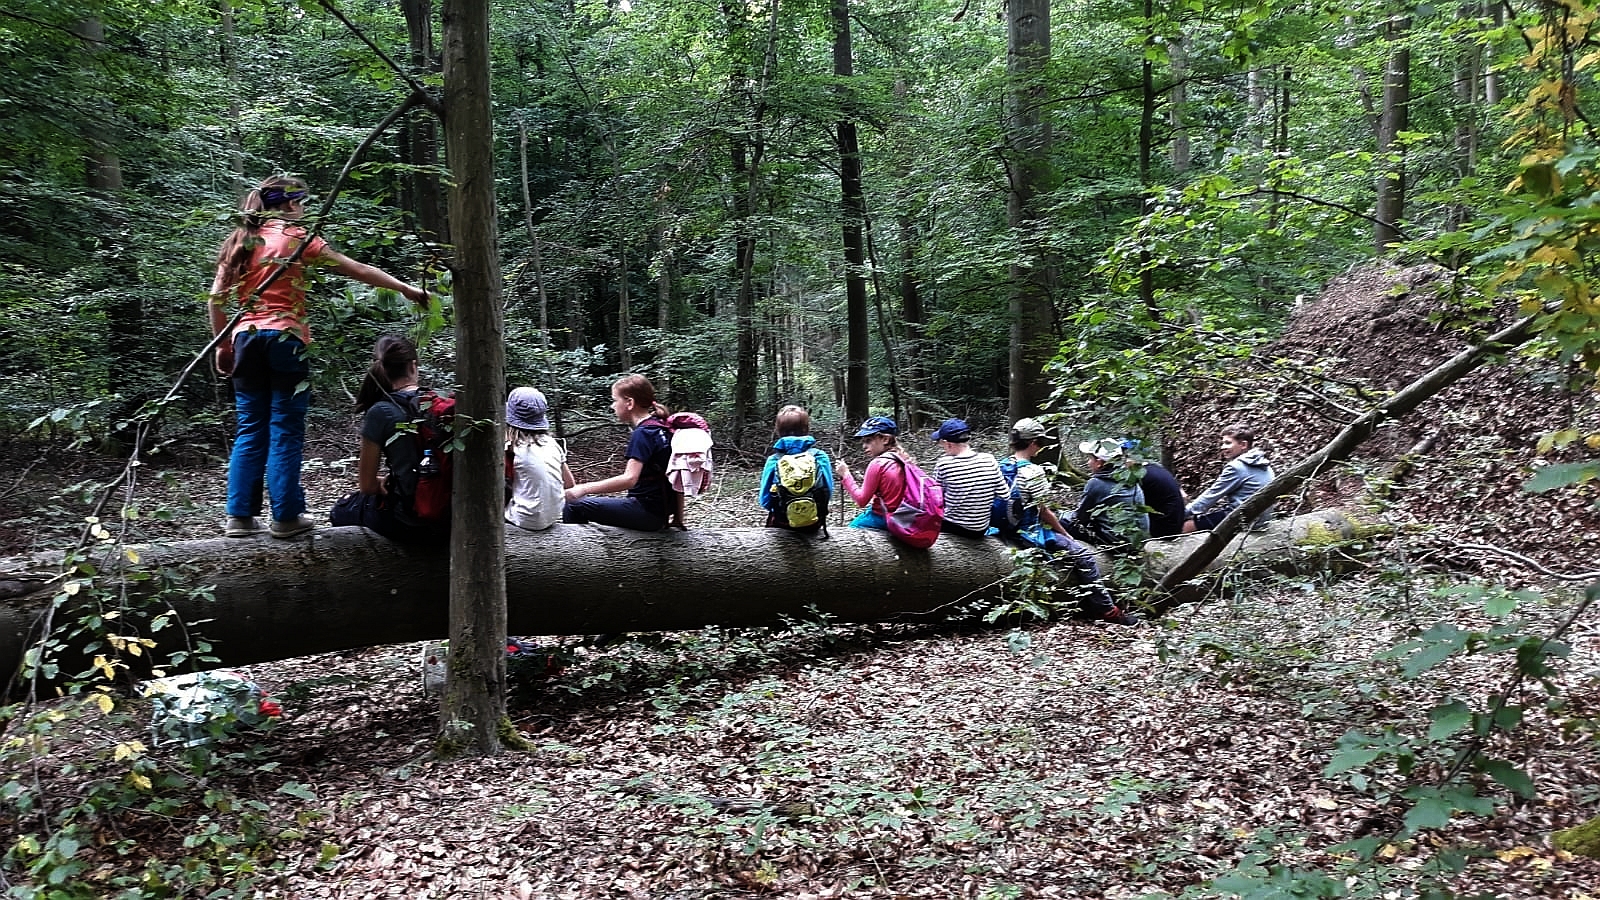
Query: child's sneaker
[[288, 528], [242, 526]]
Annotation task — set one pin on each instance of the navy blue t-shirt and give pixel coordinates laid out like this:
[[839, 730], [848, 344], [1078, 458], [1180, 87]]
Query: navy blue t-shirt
[[652, 446]]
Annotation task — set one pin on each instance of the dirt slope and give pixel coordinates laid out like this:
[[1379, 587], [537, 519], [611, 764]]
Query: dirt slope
[[1376, 329]]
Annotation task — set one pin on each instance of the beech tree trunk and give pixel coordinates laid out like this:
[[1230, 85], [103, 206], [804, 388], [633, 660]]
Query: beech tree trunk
[[1393, 118], [473, 714], [1177, 102], [852, 213], [1028, 135], [419, 137], [346, 587]]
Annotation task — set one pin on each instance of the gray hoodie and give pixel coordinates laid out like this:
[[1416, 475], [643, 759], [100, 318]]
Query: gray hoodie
[[1240, 479]]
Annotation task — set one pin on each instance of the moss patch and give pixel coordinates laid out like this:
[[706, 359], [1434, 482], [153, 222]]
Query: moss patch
[[1580, 840]]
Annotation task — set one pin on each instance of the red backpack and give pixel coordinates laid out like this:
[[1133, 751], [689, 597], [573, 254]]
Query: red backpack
[[432, 418], [915, 522]]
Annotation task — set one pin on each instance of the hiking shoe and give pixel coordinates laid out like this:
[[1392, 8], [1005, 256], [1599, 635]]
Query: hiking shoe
[[242, 526], [288, 528], [1117, 617]]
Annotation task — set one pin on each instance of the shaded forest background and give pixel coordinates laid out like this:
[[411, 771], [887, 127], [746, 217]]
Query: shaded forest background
[[903, 207]]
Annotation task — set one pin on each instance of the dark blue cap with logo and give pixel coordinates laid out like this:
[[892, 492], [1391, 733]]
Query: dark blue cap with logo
[[878, 425]]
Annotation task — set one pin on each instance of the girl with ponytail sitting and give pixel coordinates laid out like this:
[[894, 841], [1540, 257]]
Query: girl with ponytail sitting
[[388, 398], [266, 351], [650, 500]]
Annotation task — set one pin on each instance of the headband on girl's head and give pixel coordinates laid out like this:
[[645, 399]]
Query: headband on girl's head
[[277, 196]]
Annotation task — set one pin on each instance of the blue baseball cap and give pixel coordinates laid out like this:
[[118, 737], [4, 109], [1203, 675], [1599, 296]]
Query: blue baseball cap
[[878, 425], [953, 430]]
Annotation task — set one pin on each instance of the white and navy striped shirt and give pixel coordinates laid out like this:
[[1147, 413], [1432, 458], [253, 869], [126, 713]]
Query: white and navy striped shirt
[[971, 481]]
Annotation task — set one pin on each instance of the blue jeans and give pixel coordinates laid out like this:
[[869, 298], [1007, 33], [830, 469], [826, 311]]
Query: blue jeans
[[621, 512], [270, 406]]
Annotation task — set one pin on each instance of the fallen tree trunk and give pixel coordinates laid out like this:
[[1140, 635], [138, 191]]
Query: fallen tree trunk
[[344, 588]]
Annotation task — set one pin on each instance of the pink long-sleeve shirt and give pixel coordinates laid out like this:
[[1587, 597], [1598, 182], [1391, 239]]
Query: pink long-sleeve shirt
[[883, 484]]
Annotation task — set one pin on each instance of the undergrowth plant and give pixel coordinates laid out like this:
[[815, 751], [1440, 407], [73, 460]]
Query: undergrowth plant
[[97, 805], [1421, 774]]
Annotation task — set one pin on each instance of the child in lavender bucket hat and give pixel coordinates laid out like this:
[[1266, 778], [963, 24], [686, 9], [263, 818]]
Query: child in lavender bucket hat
[[536, 463]]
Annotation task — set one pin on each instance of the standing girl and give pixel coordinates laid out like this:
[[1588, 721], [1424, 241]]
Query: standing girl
[[883, 484], [266, 352], [648, 503], [538, 464]]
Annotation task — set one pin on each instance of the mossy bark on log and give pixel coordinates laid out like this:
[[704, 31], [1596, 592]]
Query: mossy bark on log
[[1580, 840], [343, 588]]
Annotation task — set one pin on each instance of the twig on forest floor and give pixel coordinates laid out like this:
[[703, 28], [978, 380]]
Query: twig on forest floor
[[1532, 564]]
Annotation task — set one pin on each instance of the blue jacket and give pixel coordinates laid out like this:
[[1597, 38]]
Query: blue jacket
[[1105, 489], [785, 446], [1240, 479]]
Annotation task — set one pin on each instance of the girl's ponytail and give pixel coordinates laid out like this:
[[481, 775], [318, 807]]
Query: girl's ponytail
[[258, 207], [392, 357]]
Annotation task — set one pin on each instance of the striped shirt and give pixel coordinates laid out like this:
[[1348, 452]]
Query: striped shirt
[[971, 482]]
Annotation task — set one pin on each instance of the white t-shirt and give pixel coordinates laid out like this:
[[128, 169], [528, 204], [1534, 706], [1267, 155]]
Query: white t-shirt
[[536, 493]]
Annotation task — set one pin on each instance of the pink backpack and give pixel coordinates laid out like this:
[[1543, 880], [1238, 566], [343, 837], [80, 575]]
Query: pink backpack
[[915, 522]]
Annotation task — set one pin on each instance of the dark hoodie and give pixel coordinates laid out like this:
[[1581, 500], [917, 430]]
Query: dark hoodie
[[1240, 479]]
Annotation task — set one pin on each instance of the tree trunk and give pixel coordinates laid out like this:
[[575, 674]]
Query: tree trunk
[[537, 256], [1280, 147], [911, 316], [574, 317], [229, 54], [745, 152], [852, 211], [1256, 99], [1469, 65], [1178, 50], [744, 303], [473, 715], [346, 587], [1495, 10], [1028, 135], [664, 278], [421, 134], [1147, 140], [624, 318], [126, 348], [1393, 118]]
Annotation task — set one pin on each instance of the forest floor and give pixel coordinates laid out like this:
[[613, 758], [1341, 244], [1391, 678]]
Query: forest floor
[[1048, 760]]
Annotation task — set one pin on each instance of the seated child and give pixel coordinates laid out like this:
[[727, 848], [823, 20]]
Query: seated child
[[1111, 512], [971, 481], [537, 464], [650, 500], [1038, 527], [1162, 493], [793, 429], [1248, 470], [883, 484], [388, 398]]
